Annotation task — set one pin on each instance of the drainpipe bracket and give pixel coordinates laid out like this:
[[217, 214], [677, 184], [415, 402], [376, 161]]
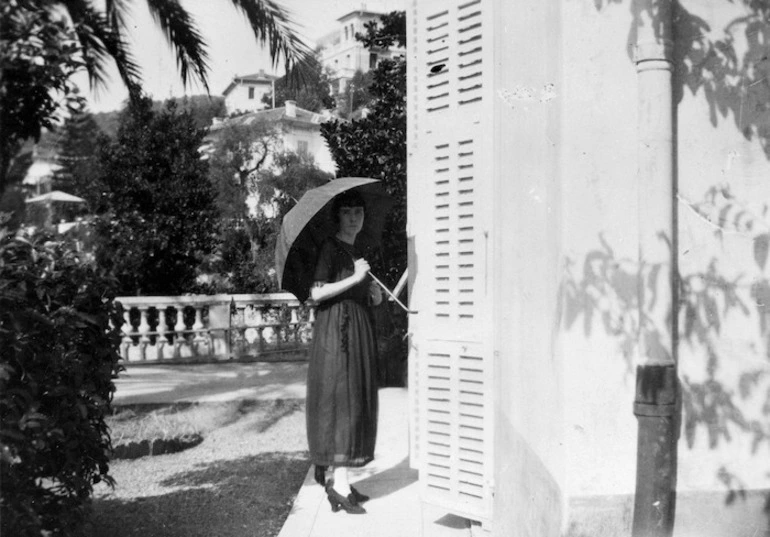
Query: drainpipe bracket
[[654, 411], [653, 51]]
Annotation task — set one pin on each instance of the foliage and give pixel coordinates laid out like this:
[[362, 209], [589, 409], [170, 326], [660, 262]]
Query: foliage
[[37, 61], [245, 257], [375, 146], [389, 30], [291, 176], [241, 263], [102, 36], [78, 141], [158, 218], [240, 151], [13, 210], [357, 95], [44, 42], [58, 361], [310, 93], [203, 108]]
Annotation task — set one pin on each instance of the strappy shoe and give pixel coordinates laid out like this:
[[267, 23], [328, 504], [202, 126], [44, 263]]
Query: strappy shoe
[[338, 501]]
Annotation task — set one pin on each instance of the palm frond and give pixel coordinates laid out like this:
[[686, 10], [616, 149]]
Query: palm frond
[[101, 41], [116, 11], [183, 35], [273, 28]]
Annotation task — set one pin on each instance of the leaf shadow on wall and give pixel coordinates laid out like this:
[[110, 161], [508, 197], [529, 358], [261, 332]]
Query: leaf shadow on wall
[[735, 80], [599, 295]]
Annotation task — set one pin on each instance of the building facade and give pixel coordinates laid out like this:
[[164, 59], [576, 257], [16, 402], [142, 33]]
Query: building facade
[[297, 130], [244, 93], [589, 198], [343, 55]]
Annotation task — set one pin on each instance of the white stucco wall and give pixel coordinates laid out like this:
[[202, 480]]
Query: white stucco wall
[[725, 387], [597, 160], [238, 98], [316, 146]]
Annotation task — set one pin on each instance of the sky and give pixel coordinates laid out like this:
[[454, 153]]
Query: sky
[[232, 47]]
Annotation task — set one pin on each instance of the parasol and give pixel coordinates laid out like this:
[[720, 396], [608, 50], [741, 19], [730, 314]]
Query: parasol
[[56, 195], [309, 223]]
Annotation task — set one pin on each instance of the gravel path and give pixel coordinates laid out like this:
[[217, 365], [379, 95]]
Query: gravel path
[[240, 481]]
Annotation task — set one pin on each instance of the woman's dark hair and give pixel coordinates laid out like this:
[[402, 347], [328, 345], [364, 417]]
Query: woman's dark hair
[[349, 198]]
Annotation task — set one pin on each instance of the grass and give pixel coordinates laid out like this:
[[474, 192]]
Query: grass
[[241, 480], [150, 422]]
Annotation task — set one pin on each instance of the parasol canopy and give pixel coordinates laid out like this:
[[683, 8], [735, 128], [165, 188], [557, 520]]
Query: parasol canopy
[[310, 222], [56, 196]]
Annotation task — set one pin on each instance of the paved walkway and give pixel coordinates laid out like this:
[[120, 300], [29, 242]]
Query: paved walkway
[[394, 510]]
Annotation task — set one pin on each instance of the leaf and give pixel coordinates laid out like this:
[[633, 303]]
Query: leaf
[[761, 243]]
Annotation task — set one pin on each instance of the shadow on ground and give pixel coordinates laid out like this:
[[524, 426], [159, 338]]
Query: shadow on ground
[[247, 496], [388, 481]]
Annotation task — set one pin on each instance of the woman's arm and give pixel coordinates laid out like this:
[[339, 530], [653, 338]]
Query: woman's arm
[[326, 291]]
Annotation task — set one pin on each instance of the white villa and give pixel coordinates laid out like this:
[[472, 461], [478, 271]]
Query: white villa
[[299, 131], [344, 55], [245, 93]]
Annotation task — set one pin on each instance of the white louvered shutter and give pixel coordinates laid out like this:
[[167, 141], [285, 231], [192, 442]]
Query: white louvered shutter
[[450, 179]]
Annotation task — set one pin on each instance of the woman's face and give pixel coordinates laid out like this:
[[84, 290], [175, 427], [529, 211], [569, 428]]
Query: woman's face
[[351, 220]]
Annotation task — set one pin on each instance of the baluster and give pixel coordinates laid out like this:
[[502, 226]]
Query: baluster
[[144, 329], [162, 330], [261, 339], [294, 325], [197, 327], [179, 330], [127, 342], [307, 333]]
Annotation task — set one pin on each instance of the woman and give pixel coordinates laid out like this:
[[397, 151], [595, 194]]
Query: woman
[[341, 387]]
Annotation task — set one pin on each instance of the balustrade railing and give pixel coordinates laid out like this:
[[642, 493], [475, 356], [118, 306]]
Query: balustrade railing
[[216, 327]]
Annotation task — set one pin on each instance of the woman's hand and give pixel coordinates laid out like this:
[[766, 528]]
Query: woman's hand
[[360, 269]]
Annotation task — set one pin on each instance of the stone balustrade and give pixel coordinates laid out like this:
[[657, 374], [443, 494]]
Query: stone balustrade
[[201, 328]]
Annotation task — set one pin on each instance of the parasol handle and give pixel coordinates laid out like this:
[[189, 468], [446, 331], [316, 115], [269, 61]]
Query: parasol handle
[[401, 283], [391, 294]]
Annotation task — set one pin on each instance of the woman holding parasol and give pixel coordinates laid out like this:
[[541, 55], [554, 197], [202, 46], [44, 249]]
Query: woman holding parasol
[[342, 389], [320, 253]]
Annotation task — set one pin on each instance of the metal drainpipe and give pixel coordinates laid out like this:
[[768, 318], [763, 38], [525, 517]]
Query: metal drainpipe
[[655, 405]]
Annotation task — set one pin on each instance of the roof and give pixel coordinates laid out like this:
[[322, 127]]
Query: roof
[[303, 118], [360, 13], [256, 78]]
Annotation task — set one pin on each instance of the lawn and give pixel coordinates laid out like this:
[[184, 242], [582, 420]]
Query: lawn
[[240, 480]]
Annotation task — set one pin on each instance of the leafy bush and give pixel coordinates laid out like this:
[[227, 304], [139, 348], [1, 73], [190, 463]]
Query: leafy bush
[[159, 220], [58, 359]]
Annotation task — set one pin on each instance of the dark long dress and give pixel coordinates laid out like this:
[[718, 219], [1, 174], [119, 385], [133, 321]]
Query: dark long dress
[[341, 385]]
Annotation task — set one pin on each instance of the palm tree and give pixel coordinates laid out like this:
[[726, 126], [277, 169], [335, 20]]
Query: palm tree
[[43, 43], [101, 33]]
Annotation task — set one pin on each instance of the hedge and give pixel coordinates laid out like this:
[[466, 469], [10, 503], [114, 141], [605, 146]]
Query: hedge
[[58, 360]]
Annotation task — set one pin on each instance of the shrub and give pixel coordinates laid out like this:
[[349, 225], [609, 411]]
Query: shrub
[[159, 215], [58, 359]]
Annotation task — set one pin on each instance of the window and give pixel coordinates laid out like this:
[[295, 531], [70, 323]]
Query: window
[[372, 60], [302, 146], [251, 93], [346, 33]]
